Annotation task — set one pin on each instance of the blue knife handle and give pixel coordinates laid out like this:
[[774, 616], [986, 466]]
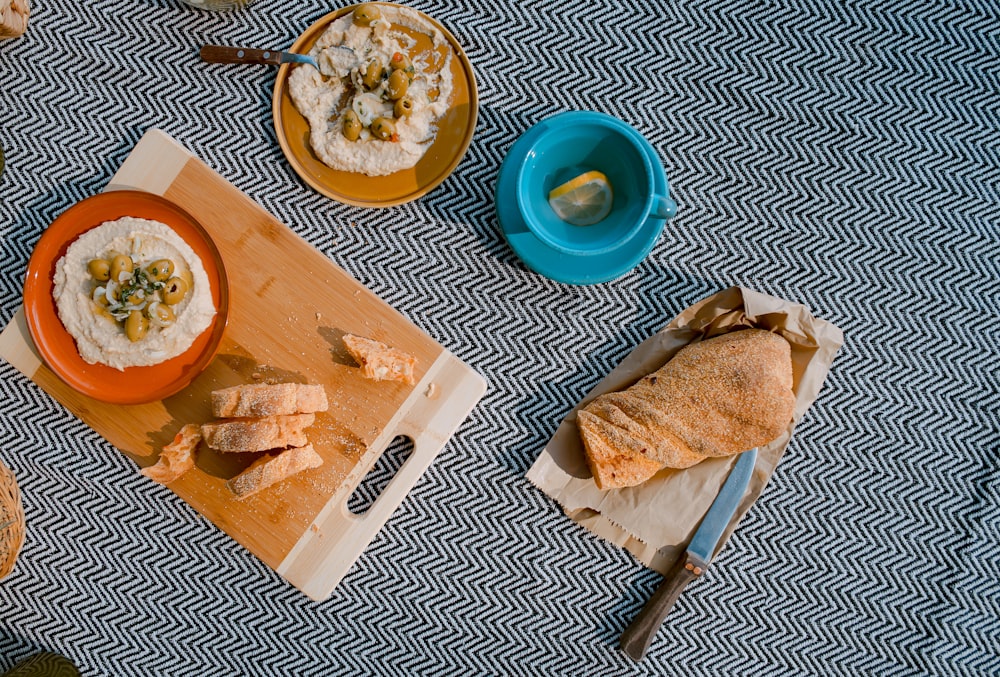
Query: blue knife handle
[[639, 635]]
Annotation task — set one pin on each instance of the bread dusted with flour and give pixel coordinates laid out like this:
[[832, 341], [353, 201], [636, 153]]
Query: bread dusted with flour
[[717, 397], [610, 466], [258, 434], [251, 418], [264, 399], [269, 470], [274, 416]]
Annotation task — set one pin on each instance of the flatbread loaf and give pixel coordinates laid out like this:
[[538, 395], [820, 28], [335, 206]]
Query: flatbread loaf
[[269, 470], [263, 399], [257, 434], [717, 397]]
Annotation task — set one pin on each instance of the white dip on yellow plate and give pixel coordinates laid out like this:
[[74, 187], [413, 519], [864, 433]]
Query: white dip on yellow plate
[[84, 304], [344, 53]]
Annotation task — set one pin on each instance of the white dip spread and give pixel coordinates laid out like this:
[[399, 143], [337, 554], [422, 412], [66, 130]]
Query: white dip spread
[[95, 313], [345, 52]]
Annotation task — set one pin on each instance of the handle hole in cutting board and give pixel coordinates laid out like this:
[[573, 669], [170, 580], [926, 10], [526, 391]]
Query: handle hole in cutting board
[[378, 478]]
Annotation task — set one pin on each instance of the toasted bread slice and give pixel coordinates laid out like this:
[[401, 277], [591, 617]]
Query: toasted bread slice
[[177, 457], [262, 399], [380, 362], [258, 434], [269, 470]]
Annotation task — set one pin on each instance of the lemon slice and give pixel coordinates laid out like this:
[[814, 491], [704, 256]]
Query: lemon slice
[[583, 200]]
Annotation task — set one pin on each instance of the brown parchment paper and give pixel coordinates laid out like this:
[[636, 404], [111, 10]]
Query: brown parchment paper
[[656, 520]]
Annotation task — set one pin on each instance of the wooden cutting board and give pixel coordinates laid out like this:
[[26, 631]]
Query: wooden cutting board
[[289, 308]]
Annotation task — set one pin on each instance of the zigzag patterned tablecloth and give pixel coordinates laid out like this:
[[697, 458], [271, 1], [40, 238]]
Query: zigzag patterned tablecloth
[[841, 155]]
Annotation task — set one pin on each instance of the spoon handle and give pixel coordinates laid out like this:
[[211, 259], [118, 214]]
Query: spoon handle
[[222, 54]]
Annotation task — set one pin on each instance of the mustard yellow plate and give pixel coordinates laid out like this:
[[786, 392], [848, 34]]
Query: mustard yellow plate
[[454, 129]]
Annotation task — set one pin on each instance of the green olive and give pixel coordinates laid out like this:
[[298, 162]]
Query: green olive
[[174, 291], [403, 107], [120, 264], [99, 269], [136, 326], [401, 62], [102, 300], [366, 14], [352, 125], [385, 129], [398, 84], [161, 314], [373, 75], [160, 270]]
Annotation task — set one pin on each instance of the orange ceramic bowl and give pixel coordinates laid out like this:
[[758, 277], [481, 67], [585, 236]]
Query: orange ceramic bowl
[[133, 385], [455, 129]]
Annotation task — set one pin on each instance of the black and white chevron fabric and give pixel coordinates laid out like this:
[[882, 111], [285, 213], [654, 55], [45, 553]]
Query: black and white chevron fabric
[[845, 155]]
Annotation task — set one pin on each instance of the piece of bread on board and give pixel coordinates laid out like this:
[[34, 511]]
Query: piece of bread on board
[[177, 457], [265, 399], [716, 397], [257, 434], [269, 470], [380, 362]]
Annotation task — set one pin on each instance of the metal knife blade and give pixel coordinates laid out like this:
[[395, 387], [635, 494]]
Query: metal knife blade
[[717, 518], [639, 635]]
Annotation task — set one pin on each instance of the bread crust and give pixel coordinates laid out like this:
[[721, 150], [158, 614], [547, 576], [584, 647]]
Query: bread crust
[[257, 434], [717, 397], [264, 399], [269, 470]]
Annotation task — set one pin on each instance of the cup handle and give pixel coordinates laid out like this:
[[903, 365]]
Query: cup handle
[[663, 207]]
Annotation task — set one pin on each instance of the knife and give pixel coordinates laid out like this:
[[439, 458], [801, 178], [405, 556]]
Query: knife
[[223, 54], [639, 635]]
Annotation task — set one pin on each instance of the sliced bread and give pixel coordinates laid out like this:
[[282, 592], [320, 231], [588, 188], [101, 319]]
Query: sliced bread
[[269, 470], [263, 399], [258, 434]]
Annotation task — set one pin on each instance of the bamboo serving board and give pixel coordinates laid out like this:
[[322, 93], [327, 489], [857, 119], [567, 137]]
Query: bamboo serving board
[[301, 527]]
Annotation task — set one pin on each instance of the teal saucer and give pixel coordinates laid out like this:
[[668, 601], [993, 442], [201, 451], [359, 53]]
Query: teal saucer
[[557, 265]]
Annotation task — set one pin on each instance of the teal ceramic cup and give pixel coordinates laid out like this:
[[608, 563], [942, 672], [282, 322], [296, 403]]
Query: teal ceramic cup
[[594, 141]]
